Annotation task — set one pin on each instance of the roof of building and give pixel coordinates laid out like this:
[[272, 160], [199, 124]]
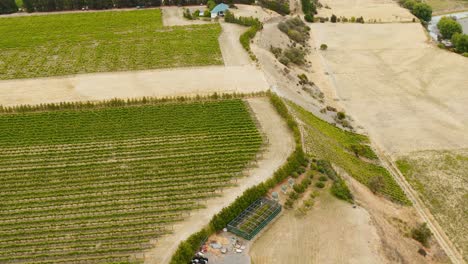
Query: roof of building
[[220, 8]]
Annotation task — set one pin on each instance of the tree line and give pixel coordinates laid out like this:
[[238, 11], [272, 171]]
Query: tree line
[[60, 5], [8, 6]]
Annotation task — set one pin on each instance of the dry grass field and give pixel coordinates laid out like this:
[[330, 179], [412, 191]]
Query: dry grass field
[[440, 179], [381, 10], [408, 94]]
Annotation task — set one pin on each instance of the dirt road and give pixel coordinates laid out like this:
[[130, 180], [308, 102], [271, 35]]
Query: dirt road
[[281, 145], [158, 83]]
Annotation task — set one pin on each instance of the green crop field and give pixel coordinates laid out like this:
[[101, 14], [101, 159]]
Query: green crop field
[[325, 141], [98, 184], [53, 45]]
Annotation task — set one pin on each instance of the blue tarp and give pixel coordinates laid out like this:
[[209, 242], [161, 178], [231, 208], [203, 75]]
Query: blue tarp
[[219, 8]]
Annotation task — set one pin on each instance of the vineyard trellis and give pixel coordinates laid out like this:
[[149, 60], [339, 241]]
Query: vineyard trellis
[[98, 184]]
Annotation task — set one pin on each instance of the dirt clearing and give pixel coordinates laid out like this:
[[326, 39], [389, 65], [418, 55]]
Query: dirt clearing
[[174, 16], [281, 145], [231, 49], [380, 10], [158, 83], [335, 232], [396, 84]]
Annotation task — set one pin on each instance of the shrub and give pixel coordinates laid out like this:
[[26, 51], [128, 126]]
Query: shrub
[[360, 20], [409, 4], [295, 55], [323, 178], [210, 4], [447, 27], [284, 60], [333, 18], [422, 234], [340, 190], [323, 47], [353, 19], [340, 115], [376, 184], [299, 188], [296, 29], [460, 42], [288, 204], [295, 175], [320, 184], [293, 195], [187, 14], [309, 18], [422, 11], [278, 6], [276, 51]]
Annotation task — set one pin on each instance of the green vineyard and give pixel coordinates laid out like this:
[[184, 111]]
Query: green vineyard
[[97, 185], [64, 44]]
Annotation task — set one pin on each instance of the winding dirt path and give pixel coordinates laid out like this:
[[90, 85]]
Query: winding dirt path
[[280, 146]]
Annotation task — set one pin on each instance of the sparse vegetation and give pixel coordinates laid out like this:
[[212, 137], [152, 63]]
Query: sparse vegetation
[[376, 184], [437, 176], [296, 30], [331, 143], [422, 234], [279, 6]]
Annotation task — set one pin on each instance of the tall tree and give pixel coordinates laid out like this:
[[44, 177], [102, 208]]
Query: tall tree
[[8, 6]]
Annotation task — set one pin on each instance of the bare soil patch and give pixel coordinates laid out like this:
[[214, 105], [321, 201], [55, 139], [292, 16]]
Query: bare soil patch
[[408, 94], [380, 10], [259, 12], [281, 145], [157, 83], [174, 16]]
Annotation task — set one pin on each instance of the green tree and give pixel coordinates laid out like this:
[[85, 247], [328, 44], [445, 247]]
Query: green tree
[[409, 4], [460, 42], [333, 18], [447, 27], [8, 6], [422, 11]]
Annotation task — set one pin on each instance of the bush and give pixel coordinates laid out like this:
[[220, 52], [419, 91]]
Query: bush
[[323, 47], [284, 60], [299, 188], [447, 27], [210, 4], [353, 19], [460, 42], [422, 11], [333, 18], [376, 184], [309, 18], [340, 190], [323, 178], [422, 234], [320, 184], [281, 8], [296, 29], [340, 115], [360, 20], [187, 14], [295, 55], [276, 51], [293, 195], [409, 4]]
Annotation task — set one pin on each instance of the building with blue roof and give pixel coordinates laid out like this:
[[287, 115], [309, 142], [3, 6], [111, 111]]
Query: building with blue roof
[[219, 10]]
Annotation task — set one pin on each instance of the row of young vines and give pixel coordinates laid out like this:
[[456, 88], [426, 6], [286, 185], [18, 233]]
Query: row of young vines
[[96, 182]]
